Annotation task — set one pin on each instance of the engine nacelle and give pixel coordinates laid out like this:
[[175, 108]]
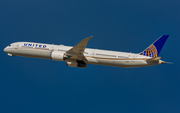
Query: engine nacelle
[[58, 55], [77, 63]]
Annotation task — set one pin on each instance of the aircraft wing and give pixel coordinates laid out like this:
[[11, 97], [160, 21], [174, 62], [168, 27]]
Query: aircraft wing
[[76, 53]]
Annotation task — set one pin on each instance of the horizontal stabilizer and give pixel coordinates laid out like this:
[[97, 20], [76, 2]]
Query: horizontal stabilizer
[[154, 59]]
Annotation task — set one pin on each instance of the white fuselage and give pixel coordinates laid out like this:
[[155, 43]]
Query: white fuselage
[[93, 56]]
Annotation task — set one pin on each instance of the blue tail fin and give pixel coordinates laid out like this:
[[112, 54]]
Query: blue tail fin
[[155, 48]]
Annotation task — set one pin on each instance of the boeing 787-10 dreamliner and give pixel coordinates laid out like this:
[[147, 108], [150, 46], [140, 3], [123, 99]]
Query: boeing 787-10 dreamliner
[[80, 56]]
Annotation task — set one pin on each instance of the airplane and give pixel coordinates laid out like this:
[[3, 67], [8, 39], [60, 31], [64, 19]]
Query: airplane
[[80, 56]]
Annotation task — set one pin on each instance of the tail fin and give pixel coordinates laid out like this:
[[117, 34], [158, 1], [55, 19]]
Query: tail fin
[[154, 49]]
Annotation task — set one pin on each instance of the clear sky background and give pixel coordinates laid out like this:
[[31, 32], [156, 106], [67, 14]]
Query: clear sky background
[[29, 85]]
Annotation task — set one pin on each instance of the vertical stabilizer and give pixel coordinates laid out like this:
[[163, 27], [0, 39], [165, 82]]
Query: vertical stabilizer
[[155, 48]]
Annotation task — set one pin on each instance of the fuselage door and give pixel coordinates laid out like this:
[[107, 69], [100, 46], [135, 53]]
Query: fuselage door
[[92, 53], [16, 46], [51, 48]]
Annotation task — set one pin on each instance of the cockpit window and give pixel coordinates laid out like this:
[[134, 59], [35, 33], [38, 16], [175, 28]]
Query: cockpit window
[[9, 45]]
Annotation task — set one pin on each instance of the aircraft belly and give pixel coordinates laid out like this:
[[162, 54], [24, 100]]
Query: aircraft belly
[[125, 63]]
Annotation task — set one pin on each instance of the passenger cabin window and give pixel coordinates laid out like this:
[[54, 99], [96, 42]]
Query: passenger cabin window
[[122, 56], [61, 50], [105, 55]]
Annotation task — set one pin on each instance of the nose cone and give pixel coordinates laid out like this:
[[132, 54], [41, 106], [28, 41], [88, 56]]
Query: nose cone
[[5, 50]]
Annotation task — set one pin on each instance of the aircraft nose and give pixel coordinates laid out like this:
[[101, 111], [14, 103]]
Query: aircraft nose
[[5, 50]]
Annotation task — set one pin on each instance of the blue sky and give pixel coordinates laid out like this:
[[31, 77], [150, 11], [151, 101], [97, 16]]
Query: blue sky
[[38, 85]]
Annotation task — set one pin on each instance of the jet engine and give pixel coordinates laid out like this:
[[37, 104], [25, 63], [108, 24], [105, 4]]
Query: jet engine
[[58, 55], [77, 63]]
